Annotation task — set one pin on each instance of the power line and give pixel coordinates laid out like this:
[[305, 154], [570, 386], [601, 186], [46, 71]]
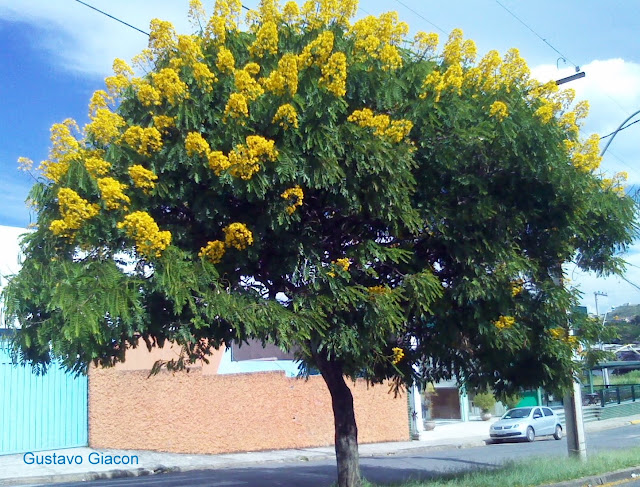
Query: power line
[[112, 17], [122, 21], [421, 16], [538, 35], [619, 130]]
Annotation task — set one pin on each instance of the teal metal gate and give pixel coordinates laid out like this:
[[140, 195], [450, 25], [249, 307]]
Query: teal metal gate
[[42, 412]]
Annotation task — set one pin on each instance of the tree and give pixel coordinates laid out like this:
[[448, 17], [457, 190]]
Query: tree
[[327, 187]]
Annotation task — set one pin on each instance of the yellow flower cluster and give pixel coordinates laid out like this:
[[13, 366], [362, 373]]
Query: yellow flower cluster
[[142, 177], [390, 57], [162, 36], [317, 52], [324, 13], [436, 83], [144, 140], [112, 192], [457, 51], [196, 144], [398, 355], [398, 130], [558, 333], [229, 10], [74, 211], [334, 74], [147, 94], [513, 70], [246, 85], [163, 123], [585, 156], [105, 126], [504, 322], [216, 29], [458, 70], [296, 193], [225, 61], [99, 99], [387, 28], [142, 228], [236, 106], [189, 49], [266, 40], [290, 13], [64, 148], [284, 78], [203, 76], [237, 235], [214, 251], [121, 80], [268, 11], [426, 42], [616, 183], [343, 263], [218, 162], [172, 88], [516, 287], [197, 13], [378, 290], [245, 160], [395, 130], [377, 37], [570, 121], [286, 116], [499, 110], [95, 165]]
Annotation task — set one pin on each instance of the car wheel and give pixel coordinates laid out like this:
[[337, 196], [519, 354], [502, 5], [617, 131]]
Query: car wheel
[[531, 435], [558, 434]]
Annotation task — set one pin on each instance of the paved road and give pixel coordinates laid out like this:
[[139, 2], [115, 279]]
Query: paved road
[[415, 464]]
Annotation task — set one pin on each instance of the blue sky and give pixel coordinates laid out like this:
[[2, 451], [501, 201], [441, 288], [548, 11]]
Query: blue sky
[[55, 53]]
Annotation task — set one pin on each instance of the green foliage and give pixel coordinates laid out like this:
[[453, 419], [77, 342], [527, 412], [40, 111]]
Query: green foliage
[[440, 227], [484, 400]]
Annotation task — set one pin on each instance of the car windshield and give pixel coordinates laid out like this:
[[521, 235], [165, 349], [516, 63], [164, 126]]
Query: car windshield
[[517, 413]]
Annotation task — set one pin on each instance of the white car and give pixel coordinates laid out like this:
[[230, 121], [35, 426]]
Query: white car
[[527, 423]]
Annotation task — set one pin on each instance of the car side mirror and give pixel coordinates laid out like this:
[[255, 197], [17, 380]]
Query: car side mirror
[[537, 416]]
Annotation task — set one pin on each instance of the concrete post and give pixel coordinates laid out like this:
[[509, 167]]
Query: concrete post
[[576, 441], [415, 413], [464, 404]]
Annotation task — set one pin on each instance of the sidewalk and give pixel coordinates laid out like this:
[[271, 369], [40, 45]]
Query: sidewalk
[[15, 471]]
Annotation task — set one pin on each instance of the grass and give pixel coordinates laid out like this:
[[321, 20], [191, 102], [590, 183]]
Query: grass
[[632, 377], [534, 472]]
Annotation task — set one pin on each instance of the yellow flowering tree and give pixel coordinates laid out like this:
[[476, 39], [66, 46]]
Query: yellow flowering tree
[[328, 185]]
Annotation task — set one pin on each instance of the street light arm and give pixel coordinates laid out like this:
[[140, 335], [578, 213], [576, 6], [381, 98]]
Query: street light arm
[[616, 131]]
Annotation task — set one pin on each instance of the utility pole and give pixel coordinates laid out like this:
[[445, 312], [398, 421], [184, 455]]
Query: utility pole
[[595, 296], [572, 401]]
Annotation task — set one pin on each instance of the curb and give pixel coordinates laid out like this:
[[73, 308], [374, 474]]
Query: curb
[[603, 479], [138, 472], [85, 476]]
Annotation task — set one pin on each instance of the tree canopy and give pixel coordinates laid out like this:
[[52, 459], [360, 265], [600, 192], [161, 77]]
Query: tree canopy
[[324, 184]]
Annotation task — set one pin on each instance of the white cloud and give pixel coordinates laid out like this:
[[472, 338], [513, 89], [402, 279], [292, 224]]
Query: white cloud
[[82, 40], [612, 88]]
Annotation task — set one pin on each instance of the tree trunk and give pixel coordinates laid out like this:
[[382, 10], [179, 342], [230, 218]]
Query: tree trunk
[[346, 431]]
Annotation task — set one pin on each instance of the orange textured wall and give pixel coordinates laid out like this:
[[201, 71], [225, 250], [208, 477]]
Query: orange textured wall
[[198, 413]]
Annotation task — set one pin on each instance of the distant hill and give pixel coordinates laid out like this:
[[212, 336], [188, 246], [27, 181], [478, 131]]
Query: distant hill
[[624, 312], [625, 320]]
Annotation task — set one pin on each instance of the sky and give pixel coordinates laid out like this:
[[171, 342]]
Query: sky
[[55, 53]]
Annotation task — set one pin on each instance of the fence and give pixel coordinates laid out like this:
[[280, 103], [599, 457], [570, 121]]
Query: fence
[[40, 412], [612, 395]]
